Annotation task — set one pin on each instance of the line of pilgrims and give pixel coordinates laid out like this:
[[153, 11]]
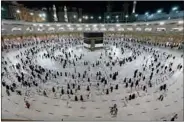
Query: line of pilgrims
[[39, 75]]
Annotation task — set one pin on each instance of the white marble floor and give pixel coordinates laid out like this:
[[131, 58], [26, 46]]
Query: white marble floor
[[145, 107]]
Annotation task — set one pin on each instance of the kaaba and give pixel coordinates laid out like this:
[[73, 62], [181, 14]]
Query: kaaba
[[93, 41]]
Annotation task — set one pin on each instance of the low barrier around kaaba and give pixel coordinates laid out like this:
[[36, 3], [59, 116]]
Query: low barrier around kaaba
[[93, 41]]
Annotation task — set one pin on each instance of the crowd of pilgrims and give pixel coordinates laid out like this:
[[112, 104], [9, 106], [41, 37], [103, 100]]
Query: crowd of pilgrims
[[150, 43], [142, 79]]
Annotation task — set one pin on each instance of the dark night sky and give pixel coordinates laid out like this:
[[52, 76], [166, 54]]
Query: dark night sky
[[94, 7]]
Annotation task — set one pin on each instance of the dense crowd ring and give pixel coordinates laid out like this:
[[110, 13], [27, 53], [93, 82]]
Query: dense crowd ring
[[63, 69]]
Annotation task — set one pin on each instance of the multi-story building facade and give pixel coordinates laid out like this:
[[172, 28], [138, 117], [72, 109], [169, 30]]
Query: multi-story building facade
[[72, 15], [15, 11], [50, 14], [118, 17], [8, 11]]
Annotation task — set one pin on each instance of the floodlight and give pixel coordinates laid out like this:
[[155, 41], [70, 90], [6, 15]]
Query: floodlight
[[175, 8], [159, 11], [18, 11]]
